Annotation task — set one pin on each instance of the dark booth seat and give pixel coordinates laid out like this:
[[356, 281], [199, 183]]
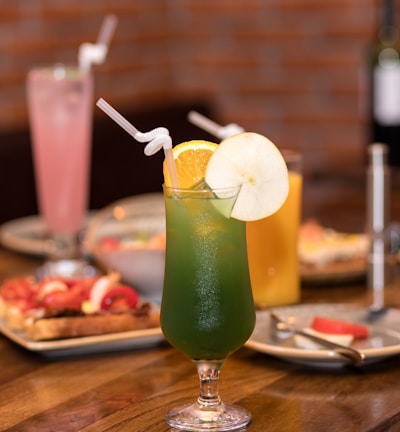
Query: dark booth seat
[[119, 167]]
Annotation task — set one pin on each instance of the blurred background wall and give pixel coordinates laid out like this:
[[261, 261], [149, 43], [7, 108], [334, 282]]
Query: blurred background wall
[[294, 70]]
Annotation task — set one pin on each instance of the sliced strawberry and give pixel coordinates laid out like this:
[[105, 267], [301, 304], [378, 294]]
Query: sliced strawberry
[[333, 326], [121, 297]]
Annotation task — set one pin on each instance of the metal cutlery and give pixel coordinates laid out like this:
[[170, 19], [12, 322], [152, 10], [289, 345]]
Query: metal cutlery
[[278, 326]]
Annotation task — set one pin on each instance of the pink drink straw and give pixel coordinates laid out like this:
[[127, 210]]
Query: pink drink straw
[[157, 139], [213, 128]]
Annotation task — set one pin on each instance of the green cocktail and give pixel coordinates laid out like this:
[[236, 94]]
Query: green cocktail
[[207, 308]]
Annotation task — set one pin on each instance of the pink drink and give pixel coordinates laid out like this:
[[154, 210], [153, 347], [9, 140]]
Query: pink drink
[[60, 112]]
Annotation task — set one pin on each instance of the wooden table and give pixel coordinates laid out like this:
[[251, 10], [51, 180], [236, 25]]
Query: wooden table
[[131, 391]]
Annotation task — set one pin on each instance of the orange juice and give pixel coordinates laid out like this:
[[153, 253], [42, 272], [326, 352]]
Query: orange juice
[[272, 251]]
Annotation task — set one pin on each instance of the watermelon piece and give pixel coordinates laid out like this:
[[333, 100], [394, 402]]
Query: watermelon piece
[[334, 326]]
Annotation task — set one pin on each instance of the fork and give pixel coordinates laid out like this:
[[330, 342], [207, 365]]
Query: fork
[[280, 326]]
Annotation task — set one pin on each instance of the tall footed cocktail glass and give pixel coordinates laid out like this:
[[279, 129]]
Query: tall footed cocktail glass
[[207, 308], [60, 106], [60, 113]]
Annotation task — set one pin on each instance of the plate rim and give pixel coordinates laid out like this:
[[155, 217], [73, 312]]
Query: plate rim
[[323, 356], [107, 342], [10, 231], [18, 337]]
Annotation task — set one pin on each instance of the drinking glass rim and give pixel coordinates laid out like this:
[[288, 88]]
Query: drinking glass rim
[[58, 71], [220, 190]]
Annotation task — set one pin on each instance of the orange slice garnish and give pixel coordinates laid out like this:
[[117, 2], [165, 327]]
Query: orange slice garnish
[[191, 159]]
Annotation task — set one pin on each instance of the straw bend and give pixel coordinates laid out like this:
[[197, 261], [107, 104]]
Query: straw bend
[[90, 53], [213, 128], [154, 133], [159, 138], [156, 144]]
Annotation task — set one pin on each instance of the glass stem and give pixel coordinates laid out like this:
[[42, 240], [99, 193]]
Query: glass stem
[[209, 372], [63, 246]]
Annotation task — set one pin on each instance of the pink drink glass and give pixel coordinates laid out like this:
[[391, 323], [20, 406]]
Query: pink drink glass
[[60, 114]]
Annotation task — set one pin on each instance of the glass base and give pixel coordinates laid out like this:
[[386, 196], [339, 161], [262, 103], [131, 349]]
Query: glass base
[[193, 418], [66, 269]]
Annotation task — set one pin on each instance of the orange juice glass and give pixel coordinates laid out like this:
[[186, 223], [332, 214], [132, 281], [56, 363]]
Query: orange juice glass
[[272, 246]]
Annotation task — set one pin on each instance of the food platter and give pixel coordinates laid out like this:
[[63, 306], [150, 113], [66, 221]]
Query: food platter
[[384, 340], [335, 272], [327, 255], [100, 331], [136, 339]]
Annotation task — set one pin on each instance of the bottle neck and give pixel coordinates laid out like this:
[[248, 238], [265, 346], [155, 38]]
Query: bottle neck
[[388, 33]]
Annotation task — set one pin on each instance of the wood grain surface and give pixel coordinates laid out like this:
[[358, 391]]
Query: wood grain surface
[[132, 390]]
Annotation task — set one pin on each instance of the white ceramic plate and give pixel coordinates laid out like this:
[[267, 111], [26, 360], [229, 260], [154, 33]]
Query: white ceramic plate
[[88, 344], [29, 235], [384, 340]]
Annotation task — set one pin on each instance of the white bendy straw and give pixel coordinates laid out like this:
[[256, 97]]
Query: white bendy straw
[[96, 53], [213, 128], [157, 139]]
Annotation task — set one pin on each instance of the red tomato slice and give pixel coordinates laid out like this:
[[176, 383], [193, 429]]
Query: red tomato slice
[[121, 297], [18, 289], [109, 243], [332, 326], [82, 287], [27, 305], [75, 291], [62, 300]]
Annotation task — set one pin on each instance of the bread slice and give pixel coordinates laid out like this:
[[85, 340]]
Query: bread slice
[[89, 325]]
